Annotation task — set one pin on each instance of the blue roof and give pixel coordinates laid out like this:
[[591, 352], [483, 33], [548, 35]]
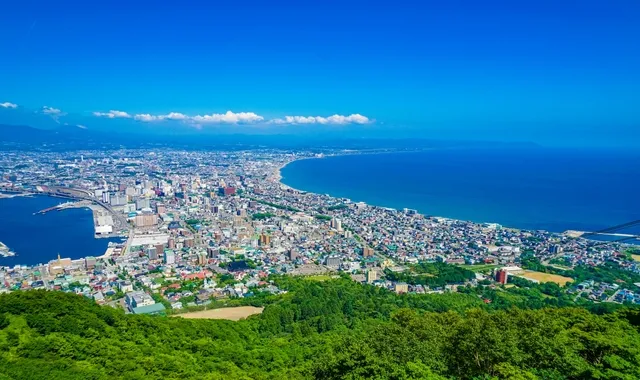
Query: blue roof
[[150, 309]]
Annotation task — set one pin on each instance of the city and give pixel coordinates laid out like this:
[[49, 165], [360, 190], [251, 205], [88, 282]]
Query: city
[[200, 228]]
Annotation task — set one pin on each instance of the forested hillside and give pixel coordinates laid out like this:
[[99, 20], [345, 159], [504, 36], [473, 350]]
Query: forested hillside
[[324, 330]]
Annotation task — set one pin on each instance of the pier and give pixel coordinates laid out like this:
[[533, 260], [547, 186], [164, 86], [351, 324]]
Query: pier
[[63, 206]]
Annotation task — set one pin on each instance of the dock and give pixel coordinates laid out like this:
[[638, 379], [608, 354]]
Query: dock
[[62, 206]]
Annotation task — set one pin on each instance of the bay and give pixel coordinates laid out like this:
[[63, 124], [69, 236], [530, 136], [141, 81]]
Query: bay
[[40, 238], [533, 188]]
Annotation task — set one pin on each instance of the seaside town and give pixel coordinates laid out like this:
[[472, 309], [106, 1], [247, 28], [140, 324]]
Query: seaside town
[[198, 227]]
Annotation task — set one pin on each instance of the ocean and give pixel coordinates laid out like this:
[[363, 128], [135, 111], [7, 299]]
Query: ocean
[[39, 238], [533, 188]]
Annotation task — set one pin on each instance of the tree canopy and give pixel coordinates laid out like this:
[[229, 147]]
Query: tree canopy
[[336, 329]]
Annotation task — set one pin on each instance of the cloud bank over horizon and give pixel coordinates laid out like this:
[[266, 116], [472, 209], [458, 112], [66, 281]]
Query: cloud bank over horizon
[[231, 117], [197, 121]]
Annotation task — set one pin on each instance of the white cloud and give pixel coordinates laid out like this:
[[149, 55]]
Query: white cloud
[[295, 120], [112, 114], [8, 105], [171, 116], [81, 126], [335, 119], [55, 113], [51, 111], [146, 117], [175, 116], [231, 117], [228, 117]]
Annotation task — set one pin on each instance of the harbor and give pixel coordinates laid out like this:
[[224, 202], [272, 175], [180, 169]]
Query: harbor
[[104, 223], [30, 237]]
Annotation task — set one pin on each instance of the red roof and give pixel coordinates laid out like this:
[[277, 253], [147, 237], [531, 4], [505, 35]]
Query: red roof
[[198, 275]]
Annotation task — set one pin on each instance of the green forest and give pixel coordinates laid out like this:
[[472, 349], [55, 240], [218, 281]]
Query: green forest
[[335, 329]]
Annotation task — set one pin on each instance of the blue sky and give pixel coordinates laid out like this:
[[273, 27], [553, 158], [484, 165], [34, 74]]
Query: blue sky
[[554, 72]]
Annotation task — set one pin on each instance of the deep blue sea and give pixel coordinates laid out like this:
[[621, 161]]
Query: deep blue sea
[[533, 188], [39, 238]]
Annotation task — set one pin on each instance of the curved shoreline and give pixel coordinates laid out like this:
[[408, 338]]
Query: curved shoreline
[[569, 232]]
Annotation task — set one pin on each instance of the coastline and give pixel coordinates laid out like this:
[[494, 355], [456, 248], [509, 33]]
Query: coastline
[[572, 233], [277, 173]]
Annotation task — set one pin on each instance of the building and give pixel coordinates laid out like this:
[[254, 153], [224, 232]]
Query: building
[[265, 240], [372, 275], [555, 249], [118, 199], [90, 262], [152, 253], [128, 208], [367, 251], [125, 286], [156, 308], [138, 299], [142, 203], [202, 259], [171, 243], [401, 287], [189, 242], [292, 254], [336, 223], [212, 252], [106, 197], [333, 261], [146, 220], [502, 276], [227, 191], [169, 257], [160, 208], [58, 266], [103, 229]]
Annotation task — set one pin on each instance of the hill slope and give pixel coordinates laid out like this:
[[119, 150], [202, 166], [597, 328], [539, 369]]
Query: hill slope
[[331, 330]]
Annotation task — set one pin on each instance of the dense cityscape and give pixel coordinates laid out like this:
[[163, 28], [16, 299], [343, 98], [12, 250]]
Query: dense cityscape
[[200, 229]]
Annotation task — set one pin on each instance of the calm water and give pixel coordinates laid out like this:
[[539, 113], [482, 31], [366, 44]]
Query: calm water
[[39, 238], [539, 188]]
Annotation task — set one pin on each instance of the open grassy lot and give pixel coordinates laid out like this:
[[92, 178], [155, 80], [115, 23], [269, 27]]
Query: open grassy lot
[[230, 313], [545, 277]]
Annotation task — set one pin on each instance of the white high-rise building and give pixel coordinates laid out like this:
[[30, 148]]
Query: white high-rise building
[[169, 257]]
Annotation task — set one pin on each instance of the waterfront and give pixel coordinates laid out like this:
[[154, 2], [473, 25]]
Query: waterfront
[[39, 238], [550, 189]]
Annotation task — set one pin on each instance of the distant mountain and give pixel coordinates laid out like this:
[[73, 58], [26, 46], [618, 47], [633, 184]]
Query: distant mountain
[[67, 137], [26, 134]]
